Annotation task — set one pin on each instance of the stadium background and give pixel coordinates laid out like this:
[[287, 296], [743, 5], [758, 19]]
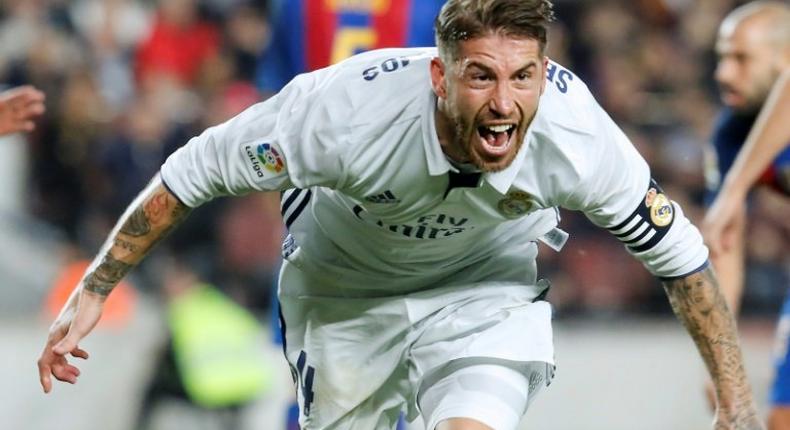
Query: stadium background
[[124, 89]]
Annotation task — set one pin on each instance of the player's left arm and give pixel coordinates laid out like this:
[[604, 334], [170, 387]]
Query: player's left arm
[[657, 233], [616, 192], [700, 306]]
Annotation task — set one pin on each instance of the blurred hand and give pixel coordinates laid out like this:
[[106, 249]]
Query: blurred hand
[[79, 316], [18, 107], [745, 420], [721, 221], [742, 415]]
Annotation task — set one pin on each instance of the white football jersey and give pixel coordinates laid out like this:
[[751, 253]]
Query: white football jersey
[[370, 198]]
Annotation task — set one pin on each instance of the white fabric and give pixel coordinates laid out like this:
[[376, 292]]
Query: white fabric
[[494, 395], [352, 140], [372, 355]]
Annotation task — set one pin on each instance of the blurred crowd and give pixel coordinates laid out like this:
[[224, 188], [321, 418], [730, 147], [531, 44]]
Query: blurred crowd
[[129, 81]]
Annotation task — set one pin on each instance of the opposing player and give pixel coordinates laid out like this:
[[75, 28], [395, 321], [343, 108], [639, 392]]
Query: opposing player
[[415, 184], [758, 158], [754, 50], [19, 107]]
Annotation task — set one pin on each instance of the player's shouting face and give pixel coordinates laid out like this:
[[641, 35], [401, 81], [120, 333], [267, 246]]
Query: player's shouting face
[[488, 96]]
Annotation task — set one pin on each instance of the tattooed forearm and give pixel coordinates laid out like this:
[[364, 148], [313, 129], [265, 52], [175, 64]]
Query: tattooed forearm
[[125, 244], [156, 213], [106, 276], [699, 304], [158, 208], [150, 223], [164, 212], [137, 224]]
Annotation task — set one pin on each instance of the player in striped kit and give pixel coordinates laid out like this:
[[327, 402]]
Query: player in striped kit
[[311, 34], [416, 184]]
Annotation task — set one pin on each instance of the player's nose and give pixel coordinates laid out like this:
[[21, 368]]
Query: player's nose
[[725, 73], [502, 102]]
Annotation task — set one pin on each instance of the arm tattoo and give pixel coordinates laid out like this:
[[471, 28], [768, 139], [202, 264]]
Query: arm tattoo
[[156, 209], [698, 303], [137, 225], [125, 244], [145, 227], [154, 212], [159, 214], [106, 276]]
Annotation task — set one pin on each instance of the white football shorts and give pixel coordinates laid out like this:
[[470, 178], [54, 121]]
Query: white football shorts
[[359, 361], [493, 394]]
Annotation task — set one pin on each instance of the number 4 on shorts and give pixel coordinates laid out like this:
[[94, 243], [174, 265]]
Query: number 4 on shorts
[[305, 381]]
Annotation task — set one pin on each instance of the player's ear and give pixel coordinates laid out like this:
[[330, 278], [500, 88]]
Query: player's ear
[[438, 72], [543, 73]]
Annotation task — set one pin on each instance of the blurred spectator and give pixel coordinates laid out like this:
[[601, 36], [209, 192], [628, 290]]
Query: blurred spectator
[[247, 34], [63, 168], [112, 30], [179, 45], [212, 360]]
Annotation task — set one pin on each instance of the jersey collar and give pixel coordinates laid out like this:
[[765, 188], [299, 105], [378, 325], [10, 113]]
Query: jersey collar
[[437, 162], [503, 179]]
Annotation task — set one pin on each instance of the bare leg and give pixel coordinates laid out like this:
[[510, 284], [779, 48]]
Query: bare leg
[[463, 424]]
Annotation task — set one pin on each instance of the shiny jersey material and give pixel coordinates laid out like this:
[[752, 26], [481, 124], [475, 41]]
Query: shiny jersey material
[[368, 197]]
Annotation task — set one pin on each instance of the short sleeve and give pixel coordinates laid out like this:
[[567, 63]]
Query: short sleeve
[[616, 192], [287, 141]]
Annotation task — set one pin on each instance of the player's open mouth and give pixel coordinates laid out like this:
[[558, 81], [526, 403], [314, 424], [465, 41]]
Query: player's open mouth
[[496, 139]]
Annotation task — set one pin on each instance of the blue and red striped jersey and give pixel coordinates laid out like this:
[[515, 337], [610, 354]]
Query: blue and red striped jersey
[[311, 34]]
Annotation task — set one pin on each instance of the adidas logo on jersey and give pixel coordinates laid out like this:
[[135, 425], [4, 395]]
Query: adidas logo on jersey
[[385, 197]]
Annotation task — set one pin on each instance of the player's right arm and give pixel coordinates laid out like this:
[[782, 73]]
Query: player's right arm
[[270, 146], [146, 221]]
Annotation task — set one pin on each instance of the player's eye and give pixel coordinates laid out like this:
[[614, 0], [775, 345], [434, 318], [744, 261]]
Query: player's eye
[[523, 76]]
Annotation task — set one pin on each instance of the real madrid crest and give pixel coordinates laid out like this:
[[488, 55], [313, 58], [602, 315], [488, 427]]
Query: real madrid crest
[[515, 204], [661, 211]]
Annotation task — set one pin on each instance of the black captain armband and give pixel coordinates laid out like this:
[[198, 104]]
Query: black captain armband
[[648, 223]]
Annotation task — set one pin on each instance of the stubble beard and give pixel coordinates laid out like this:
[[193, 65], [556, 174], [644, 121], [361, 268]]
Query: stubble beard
[[465, 138], [754, 100]]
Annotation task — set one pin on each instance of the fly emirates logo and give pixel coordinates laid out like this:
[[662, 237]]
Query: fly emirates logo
[[433, 226]]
